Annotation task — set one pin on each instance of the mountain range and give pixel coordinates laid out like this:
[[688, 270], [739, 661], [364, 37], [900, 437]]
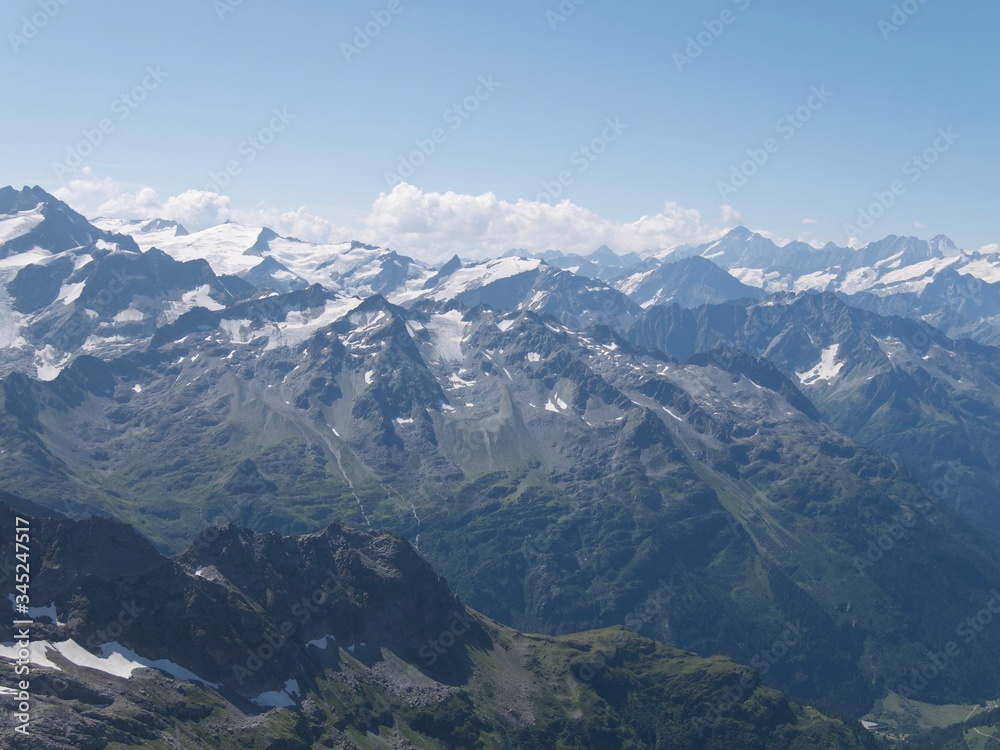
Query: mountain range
[[758, 430], [347, 638]]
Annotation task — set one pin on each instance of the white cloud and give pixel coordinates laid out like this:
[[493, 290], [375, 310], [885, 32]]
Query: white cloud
[[91, 195], [810, 221], [198, 209], [438, 225], [426, 225], [730, 215], [195, 209]]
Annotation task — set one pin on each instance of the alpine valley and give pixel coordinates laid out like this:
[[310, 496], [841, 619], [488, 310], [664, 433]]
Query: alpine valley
[[288, 495]]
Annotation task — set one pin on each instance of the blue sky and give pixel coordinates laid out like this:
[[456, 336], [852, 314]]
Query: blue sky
[[555, 81]]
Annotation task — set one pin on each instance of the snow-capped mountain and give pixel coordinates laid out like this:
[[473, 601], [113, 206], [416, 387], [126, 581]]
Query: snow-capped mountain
[[555, 446], [889, 266], [929, 280], [554, 474], [688, 282], [150, 232], [603, 263], [32, 222], [530, 284], [67, 287], [267, 260]]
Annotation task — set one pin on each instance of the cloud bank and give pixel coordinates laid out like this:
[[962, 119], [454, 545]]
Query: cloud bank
[[431, 226]]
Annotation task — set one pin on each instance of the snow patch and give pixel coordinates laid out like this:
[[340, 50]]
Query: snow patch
[[279, 698], [17, 225], [35, 612], [49, 363], [131, 315], [987, 270], [558, 407], [200, 297], [114, 659], [447, 333], [827, 369], [482, 275], [457, 382], [322, 643], [223, 246], [69, 293]]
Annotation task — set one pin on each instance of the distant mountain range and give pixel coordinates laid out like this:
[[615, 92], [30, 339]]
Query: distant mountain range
[[780, 436]]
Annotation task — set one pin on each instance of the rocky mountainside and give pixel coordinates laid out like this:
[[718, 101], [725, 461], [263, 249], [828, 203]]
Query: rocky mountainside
[[896, 385], [562, 452], [344, 639], [556, 477]]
